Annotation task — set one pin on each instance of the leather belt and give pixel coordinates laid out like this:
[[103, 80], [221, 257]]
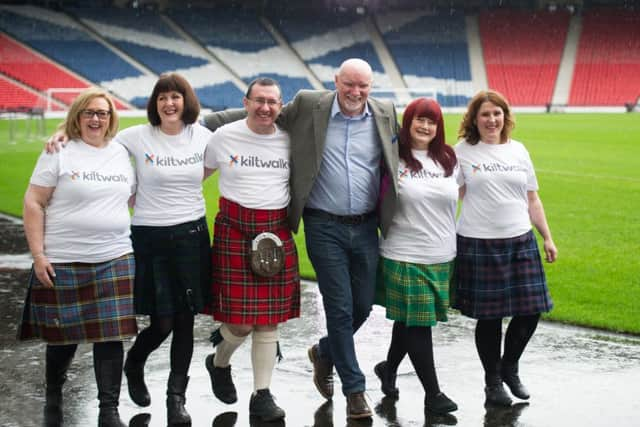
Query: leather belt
[[342, 219]]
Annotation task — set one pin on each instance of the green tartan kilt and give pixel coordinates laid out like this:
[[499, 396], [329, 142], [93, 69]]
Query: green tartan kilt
[[416, 294]]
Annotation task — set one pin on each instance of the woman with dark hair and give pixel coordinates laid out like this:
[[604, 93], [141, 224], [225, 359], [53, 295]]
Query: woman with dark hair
[[498, 270], [170, 236], [416, 257], [77, 224], [169, 233]]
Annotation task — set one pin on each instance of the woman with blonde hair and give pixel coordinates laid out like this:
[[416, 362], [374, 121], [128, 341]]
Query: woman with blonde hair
[[77, 224]]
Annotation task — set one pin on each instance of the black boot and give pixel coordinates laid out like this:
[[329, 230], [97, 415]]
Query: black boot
[[387, 380], [494, 391], [511, 378], [109, 377], [176, 388], [56, 375], [135, 382]]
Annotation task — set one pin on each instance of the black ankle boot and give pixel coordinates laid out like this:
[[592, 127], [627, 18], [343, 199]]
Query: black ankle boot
[[176, 388], [221, 381], [262, 406], [135, 382], [109, 377], [511, 378], [494, 391], [387, 380], [53, 406]]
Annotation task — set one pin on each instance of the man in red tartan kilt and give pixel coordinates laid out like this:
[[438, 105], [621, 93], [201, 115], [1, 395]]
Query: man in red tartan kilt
[[252, 296]]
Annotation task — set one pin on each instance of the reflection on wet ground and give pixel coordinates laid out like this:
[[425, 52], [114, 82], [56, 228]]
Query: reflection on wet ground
[[576, 376]]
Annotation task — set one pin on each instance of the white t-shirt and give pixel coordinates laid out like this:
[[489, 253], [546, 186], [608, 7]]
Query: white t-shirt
[[423, 230], [170, 170], [254, 168], [87, 219], [497, 178]]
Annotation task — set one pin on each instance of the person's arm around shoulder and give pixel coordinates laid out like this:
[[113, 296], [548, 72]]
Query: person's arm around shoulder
[[539, 220], [36, 200], [57, 141], [216, 119]]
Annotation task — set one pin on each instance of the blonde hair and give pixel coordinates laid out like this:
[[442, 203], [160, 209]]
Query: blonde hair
[[469, 128], [71, 124]]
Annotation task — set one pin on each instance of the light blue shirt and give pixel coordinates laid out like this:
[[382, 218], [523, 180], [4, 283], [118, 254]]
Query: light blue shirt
[[348, 182]]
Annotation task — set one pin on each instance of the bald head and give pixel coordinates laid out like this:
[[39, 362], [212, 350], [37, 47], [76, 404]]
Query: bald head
[[353, 84]]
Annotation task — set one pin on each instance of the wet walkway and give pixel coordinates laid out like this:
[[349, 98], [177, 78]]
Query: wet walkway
[[577, 377]]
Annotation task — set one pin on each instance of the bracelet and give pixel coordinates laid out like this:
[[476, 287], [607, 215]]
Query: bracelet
[[37, 255]]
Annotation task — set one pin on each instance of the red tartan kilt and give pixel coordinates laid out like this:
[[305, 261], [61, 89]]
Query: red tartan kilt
[[239, 295]]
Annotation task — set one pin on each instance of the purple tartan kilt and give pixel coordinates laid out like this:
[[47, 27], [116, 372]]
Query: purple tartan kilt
[[90, 302], [497, 278], [239, 295]]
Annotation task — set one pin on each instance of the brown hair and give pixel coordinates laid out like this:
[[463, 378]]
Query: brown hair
[[469, 129], [71, 124], [173, 82]]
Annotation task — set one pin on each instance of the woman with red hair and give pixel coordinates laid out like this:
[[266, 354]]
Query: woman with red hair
[[416, 257]]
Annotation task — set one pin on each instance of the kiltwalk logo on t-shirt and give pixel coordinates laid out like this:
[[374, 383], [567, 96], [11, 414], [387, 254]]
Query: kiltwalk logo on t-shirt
[[98, 177], [421, 174], [171, 161], [258, 162], [496, 167]]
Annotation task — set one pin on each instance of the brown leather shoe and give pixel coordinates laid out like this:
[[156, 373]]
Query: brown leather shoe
[[322, 373], [357, 406]]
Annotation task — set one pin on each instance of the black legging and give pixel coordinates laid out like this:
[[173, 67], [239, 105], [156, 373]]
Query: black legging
[[489, 336], [181, 324], [418, 343], [58, 357]]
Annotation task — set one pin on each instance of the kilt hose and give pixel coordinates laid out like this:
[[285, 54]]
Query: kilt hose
[[496, 278], [415, 294], [89, 303], [239, 295]]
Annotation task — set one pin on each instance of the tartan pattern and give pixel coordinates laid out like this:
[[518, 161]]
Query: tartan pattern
[[173, 268], [497, 278], [239, 295], [415, 294], [89, 303]]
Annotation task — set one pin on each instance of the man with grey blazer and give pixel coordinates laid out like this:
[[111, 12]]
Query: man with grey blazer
[[342, 142]]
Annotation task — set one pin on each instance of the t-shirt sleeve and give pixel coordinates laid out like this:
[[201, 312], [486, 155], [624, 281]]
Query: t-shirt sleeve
[[47, 169]]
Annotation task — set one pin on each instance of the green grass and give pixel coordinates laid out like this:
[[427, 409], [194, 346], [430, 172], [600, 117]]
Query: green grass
[[588, 170]]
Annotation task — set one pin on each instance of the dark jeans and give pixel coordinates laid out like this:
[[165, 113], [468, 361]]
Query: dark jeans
[[345, 258]]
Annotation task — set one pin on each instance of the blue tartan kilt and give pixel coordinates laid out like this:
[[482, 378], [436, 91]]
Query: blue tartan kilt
[[89, 302], [495, 278]]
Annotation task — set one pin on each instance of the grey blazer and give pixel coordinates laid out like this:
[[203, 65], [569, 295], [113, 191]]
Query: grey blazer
[[306, 118]]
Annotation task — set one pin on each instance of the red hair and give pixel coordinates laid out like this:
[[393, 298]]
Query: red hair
[[438, 150]]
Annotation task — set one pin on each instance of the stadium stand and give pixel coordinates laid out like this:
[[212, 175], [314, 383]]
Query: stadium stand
[[324, 40], [59, 37], [242, 42], [431, 52], [522, 52], [15, 98], [607, 70]]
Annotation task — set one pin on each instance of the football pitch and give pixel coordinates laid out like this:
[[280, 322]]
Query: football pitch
[[588, 168]]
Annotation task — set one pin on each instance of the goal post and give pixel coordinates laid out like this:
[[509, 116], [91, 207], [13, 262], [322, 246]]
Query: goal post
[[59, 98]]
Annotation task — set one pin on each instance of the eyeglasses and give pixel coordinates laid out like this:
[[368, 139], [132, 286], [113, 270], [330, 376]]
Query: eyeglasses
[[102, 114], [263, 101]]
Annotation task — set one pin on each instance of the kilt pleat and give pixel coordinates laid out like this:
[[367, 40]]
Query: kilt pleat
[[415, 294], [239, 295], [89, 303], [497, 278], [173, 268]]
